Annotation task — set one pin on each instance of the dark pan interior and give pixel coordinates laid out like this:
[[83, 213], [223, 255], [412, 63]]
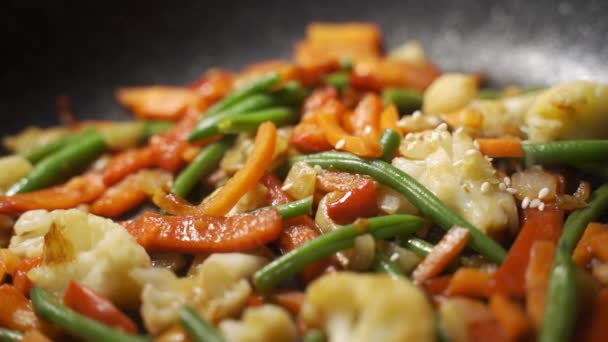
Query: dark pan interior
[[85, 49]]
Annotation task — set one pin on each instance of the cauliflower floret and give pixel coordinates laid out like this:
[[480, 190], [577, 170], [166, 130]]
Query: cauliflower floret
[[30, 229], [350, 307], [218, 288], [83, 247], [262, 323], [449, 92], [571, 110], [455, 171]]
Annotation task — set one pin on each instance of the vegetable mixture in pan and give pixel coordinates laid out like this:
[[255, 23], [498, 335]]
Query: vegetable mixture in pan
[[346, 195]]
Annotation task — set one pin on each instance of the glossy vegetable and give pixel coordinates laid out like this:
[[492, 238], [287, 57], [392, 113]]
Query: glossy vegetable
[[389, 140], [421, 197], [570, 152], [291, 263], [7, 335], [249, 122], [295, 208], [383, 264], [404, 99], [198, 329]]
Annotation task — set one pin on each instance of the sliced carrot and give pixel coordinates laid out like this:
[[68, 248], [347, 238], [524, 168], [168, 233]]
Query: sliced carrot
[[273, 184], [450, 246], [35, 336], [467, 117], [9, 262], [126, 163], [599, 247], [120, 198], [583, 253], [290, 300], [213, 85], [331, 180], [205, 234], [538, 225], [389, 119], [366, 116], [437, 285], [246, 178], [78, 190], [20, 279], [167, 147], [158, 102], [328, 119], [537, 280], [190, 153], [361, 201], [375, 73], [501, 147], [307, 136], [255, 299], [353, 33], [510, 315], [481, 324], [16, 311], [93, 305], [595, 329], [470, 282]]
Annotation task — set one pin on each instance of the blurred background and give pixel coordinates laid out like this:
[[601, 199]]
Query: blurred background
[[86, 49]]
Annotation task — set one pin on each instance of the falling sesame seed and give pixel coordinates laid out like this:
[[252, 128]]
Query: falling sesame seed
[[394, 257], [525, 202], [476, 144], [340, 144], [541, 206], [535, 203], [507, 181], [442, 127], [470, 152], [544, 192], [512, 191], [485, 187], [502, 186]]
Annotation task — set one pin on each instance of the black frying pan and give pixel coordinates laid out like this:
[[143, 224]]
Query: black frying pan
[[85, 49]]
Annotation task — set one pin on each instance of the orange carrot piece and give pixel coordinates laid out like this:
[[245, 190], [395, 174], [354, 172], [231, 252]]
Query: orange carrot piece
[[126, 163], [583, 253], [510, 315], [599, 247], [255, 299], [437, 285], [9, 262], [167, 147], [470, 282], [213, 85], [120, 198], [16, 311], [538, 225], [595, 328], [366, 117], [35, 336], [389, 119], [290, 300], [537, 280], [361, 201], [307, 136], [20, 279], [79, 190], [375, 73], [450, 246], [246, 178], [158, 102], [501, 147], [480, 322], [205, 234]]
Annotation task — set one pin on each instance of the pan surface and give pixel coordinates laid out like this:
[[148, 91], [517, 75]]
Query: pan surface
[[86, 49]]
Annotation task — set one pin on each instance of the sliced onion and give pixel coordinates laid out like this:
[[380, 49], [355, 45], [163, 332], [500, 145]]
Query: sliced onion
[[300, 181], [529, 183]]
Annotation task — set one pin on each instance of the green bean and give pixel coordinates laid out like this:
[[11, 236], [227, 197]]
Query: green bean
[[198, 329], [10, 335], [314, 336], [403, 99], [202, 165], [256, 86], [49, 308], [291, 93], [383, 264], [560, 311], [249, 122], [570, 152], [207, 126], [389, 140], [151, 128], [295, 208], [327, 244], [338, 79], [62, 164], [36, 154], [415, 192], [418, 246]]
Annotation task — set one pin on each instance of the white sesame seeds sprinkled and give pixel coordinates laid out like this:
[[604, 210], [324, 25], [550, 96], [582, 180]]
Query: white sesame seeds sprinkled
[[287, 186], [535, 203], [525, 202], [367, 129], [442, 127], [476, 144], [544, 192], [502, 186], [394, 257], [416, 115], [512, 191], [470, 152], [507, 181], [485, 187], [340, 144], [541, 206]]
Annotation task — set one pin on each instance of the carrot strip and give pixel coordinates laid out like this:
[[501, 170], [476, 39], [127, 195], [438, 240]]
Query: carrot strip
[[246, 178], [205, 234], [78, 190], [470, 282], [538, 225], [358, 202], [255, 299], [583, 253], [213, 85], [20, 279], [510, 316], [375, 73], [366, 117], [437, 285], [125, 163], [307, 136], [501, 147], [16, 311], [599, 247], [120, 198], [389, 119], [595, 329], [450, 246], [537, 280], [290, 300], [168, 147], [158, 102], [9, 262], [328, 119], [481, 324], [34, 336]]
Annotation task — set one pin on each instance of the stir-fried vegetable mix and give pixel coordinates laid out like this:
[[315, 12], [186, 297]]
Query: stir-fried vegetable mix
[[346, 195]]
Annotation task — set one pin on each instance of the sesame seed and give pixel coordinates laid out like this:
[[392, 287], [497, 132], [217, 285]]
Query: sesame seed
[[507, 181], [367, 129], [544, 192], [409, 136], [340, 144], [502, 186], [442, 127], [535, 203], [541, 206], [470, 152], [287, 186], [525, 202], [476, 144], [485, 187], [512, 191], [394, 257]]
